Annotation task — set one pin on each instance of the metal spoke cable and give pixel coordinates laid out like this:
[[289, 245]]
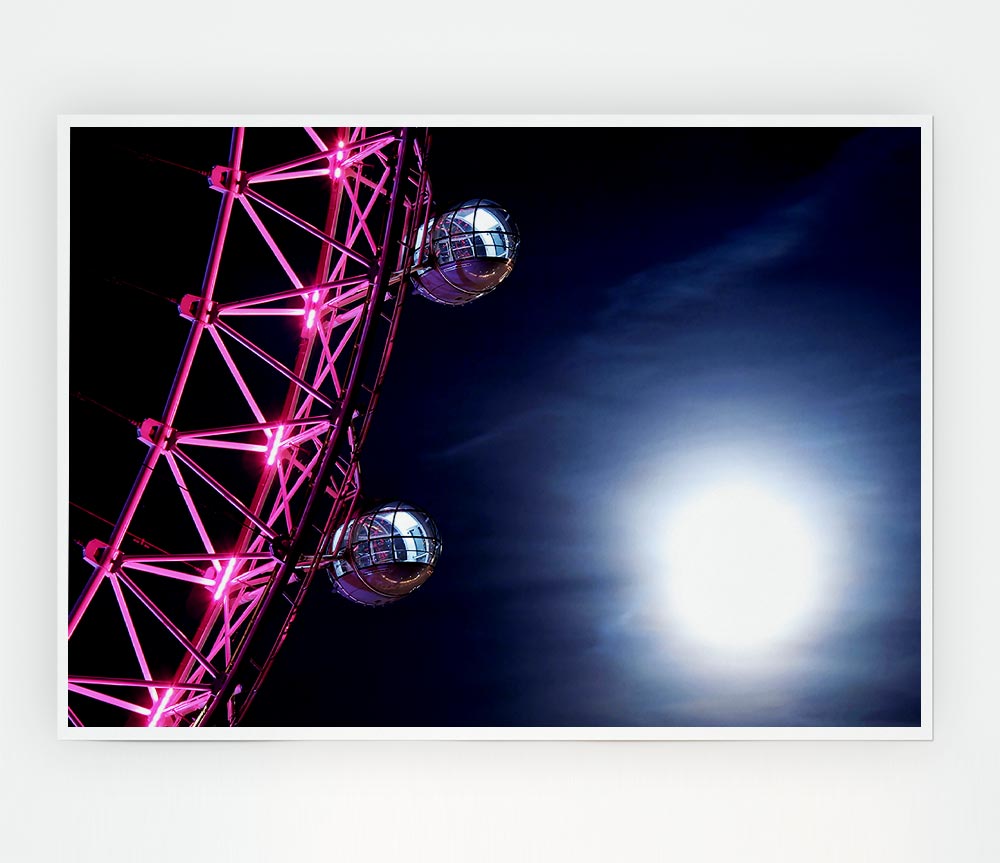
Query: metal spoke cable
[[124, 283], [104, 407], [151, 159], [145, 543]]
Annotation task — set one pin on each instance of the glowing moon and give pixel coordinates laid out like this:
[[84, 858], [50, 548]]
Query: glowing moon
[[742, 568]]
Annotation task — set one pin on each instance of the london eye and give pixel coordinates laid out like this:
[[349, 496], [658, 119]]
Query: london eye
[[249, 488]]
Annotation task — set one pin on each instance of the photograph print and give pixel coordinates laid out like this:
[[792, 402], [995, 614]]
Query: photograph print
[[611, 429]]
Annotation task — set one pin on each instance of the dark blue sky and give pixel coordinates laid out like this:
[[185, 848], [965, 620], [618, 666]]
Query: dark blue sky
[[688, 304], [685, 301]]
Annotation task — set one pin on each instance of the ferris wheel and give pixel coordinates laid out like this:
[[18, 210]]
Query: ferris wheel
[[253, 463]]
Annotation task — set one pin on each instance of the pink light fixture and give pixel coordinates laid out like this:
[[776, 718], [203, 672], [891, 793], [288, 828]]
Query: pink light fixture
[[228, 574], [338, 171], [310, 311], [276, 442], [158, 714]]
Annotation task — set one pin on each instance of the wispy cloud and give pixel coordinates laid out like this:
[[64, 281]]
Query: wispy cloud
[[495, 432], [713, 272]]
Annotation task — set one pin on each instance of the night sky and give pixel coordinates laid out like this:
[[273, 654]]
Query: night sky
[[688, 305]]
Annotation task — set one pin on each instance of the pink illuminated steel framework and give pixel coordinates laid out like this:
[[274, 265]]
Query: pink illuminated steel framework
[[255, 456]]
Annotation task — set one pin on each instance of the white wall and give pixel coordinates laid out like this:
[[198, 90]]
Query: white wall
[[509, 801]]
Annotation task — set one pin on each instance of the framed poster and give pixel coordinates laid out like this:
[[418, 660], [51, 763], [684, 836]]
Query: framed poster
[[640, 404]]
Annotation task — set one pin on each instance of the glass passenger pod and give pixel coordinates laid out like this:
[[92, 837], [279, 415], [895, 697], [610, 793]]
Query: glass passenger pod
[[471, 249], [389, 552]]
